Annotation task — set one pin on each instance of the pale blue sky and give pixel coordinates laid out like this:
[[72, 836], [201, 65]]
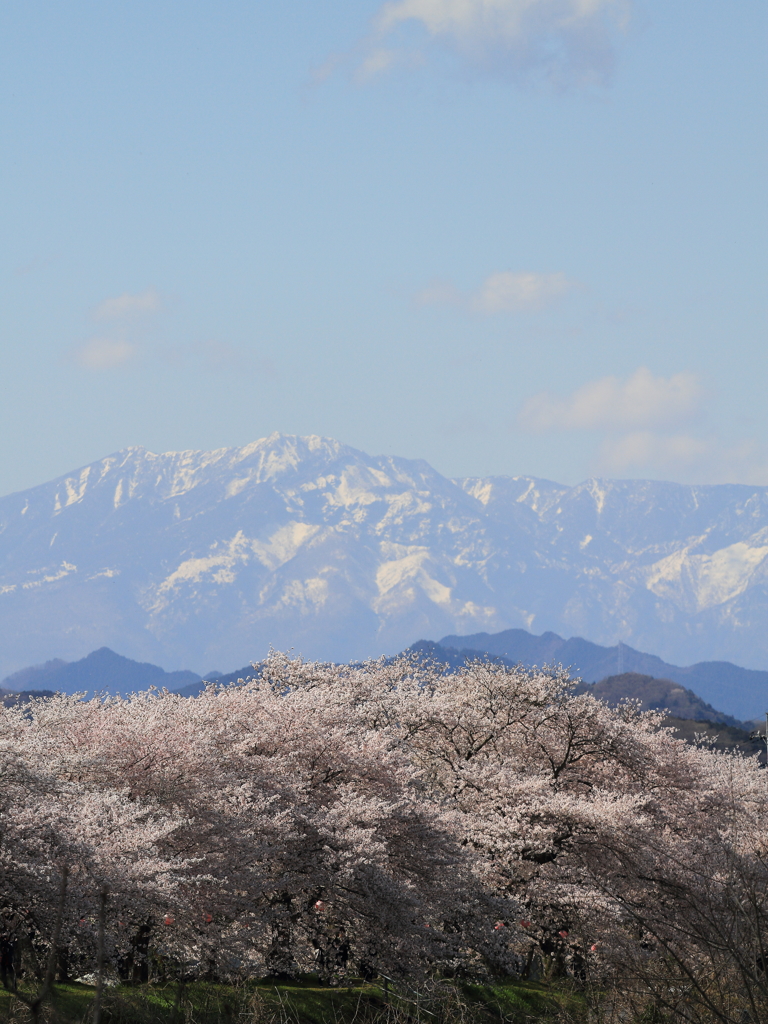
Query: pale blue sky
[[506, 236]]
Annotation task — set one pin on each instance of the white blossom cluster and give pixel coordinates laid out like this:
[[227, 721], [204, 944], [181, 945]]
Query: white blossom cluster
[[386, 818]]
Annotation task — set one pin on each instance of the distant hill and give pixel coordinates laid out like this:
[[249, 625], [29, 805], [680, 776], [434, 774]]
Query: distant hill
[[741, 692], [684, 692], [658, 695], [693, 719], [719, 737], [34, 676], [102, 671], [192, 689]]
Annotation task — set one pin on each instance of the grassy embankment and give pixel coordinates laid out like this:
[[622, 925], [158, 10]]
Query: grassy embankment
[[304, 1002]]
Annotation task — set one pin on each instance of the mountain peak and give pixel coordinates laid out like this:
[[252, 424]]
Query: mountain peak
[[101, 671]]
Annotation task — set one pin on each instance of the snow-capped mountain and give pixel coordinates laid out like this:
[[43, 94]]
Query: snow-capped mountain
[[203, 559]]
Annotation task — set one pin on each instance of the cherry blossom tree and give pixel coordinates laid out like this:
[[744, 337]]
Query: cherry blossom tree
[[388, 817], [253, 829]]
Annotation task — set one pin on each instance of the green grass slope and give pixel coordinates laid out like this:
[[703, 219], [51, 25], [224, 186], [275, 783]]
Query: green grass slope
[[306, 1001]]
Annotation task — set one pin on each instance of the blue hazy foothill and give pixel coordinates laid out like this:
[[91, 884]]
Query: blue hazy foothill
[[717, 692], [102, 671], [742, 692]]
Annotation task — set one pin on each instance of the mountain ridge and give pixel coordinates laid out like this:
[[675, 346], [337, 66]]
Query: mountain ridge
[[305, 543], [722, 684]]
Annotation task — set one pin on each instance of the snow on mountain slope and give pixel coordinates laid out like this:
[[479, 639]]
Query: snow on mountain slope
[[191, 559]]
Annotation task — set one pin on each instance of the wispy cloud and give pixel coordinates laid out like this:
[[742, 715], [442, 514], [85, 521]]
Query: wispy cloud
[[507, 292], [648, 426], [108, 353], [130, 335], [126, 319], [383, 58], [127, 306], [643, 448], [639, 401], [103, 353], [489, 19], [571, 41], [683, 457], [502, 292]]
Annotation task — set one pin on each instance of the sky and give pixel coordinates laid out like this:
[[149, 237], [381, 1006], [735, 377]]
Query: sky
[[504, 236]]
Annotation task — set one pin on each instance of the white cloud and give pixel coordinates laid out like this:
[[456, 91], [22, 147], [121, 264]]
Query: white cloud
[[507, 292], [491, 18], [640, 401], [569, 38], [503, 292], [103, 353], [645, 423], [126, 305]]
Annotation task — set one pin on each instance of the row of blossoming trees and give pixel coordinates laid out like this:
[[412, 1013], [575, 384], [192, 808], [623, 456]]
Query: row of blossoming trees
[[385, 818]]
